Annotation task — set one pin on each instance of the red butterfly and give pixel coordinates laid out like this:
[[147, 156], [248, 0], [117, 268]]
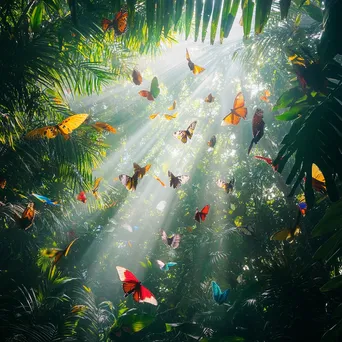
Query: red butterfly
[[130, 284], [201, 215], [119, 23], [268, 161], [82, 197]]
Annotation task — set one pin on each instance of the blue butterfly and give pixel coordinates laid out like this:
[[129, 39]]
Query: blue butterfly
[[44, 199], [165, 267], [219, 296]]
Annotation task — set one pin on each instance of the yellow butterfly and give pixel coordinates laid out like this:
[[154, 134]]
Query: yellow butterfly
[[170, 117], [78, 308], [173, 107], [65, 128], [96, 187], [193, 67], [153, 116], [286, 234], [103, 126], [183, 135]]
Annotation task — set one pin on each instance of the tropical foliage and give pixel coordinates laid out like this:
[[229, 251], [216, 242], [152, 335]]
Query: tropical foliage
[[55, 55]]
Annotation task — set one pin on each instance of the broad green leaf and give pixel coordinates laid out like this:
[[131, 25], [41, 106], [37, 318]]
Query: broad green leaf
[[284, 8], [224, 17], [215, 20], [150, 17], [168, 16], [262, 12], [330, 221], [179, 10], [208, 9], [332, 284], [247, 16], [293, 113], [37, 16], [288, 97], [330, 246]]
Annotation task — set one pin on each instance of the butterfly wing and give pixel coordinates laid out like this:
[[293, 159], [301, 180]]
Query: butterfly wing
[[96, 186], [191, 129], [120, 22], [303, 208], [153, 116], [183, 179], [129, 182], [204, 212], [281, 235], [170, 117], [147, 94], [106, 24], [210, 98], [181, 135], [100, 126], [2, 183], [146, 296], [137, 78], [160, 264], [82, 197], [171, 264], [216, 291], [155, 90], [48, 132], [42, 198], [265, 159], [187, 55], [197, 69], [224, 296], [222, 184], [27, 216], [71, 123], [126, 276], [174, 181], [239, 111], [164, 237], [212, 141], [159, 180], [66, 251], [197, 216], [175, 241], [173, 107], [317, 173]]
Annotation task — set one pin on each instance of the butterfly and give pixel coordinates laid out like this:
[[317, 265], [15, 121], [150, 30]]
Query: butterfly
[[65, 128], [154, 91], [141, 171], [201, 215], [119, 23], [3, 183], [129, 182], [159, 180], [318, 180], [172, 241], [265, 96], [258, 126], [177, 181], [170, 117], [153, 116], [193, 67], [25, 221], [57, 253], [239, 111], [212, 141], [173, 107], [210, 98], [82, 197], [130, 284], [137, 78], [268, 161], [45, 199], [79, 308], [96, 187], [228, 187], [183, 135], [103, 126], [288, 234], [219, 296], [165, 267], [303, 208]]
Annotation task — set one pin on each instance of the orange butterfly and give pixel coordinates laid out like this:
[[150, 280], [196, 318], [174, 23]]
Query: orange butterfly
[[96, 187], [159, 180], [119, 23], [65, 128], [173, 107], [153, 116], [170, 117], [266, 96], [210, 98], [140, 171], [193, 67], [3, 183], [137, 78], [27, 217], [239, 111], [103, 126]]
